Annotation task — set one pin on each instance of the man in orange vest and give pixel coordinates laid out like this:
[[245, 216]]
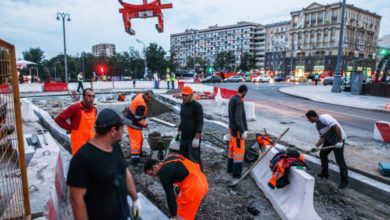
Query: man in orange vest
[[137, 113], [178, 170], [82, 117]]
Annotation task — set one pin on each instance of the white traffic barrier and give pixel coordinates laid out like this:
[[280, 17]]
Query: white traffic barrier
[[33, 87], [102, 85], [382, 131], [123, 84], [292, 202], [222, 108], [201, 88], [164, 85], [27, 109], [74, 86], [149, 210]]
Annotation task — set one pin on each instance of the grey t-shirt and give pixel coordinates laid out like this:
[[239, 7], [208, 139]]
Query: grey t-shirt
[[325, 127]]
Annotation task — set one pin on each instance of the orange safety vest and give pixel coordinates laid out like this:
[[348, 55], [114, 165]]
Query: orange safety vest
[[192, 189], [85, 131], [121, 98], [138, 121], [263, 140]]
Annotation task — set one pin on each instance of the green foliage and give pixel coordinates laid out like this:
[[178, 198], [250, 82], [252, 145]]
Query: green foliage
[[225, 61], [247, 62], [34, 55], [155, 59]]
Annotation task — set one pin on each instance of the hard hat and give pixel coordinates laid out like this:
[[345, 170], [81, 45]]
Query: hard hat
[[186, 90]]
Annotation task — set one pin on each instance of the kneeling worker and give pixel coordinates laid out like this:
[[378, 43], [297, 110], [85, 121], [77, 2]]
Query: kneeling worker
[[176, 169]]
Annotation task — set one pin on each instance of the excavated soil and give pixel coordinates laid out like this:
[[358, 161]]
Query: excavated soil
[[245, 201]]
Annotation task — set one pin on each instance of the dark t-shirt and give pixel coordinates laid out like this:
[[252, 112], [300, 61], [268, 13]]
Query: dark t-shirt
[[191, 119], [103, 174]]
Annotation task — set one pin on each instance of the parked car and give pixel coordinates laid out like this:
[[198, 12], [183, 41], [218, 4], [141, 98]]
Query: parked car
[[299, 79], [328, 80], [261, 78], [234, 79], [212, 79], [279, 78]]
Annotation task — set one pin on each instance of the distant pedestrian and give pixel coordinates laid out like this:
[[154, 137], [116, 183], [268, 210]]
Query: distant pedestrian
[[316, 77], [331, 134], [168, 79], [134, 83], [237, 128], [98, 176], [156, 80], [173, 79], [191, 125], [104, 78], [80, 81]]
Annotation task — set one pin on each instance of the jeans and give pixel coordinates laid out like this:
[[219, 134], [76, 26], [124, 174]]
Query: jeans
[[192, 153], [80, 86], [339, 155]]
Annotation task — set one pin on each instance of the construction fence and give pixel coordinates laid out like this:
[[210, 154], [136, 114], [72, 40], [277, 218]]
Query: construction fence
[[14, 195]]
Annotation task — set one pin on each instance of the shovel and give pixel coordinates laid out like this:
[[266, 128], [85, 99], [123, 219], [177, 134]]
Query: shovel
[[324, 148], [234, 183]]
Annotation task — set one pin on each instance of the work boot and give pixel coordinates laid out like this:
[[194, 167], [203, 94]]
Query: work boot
[[343, 185], [322, 175]]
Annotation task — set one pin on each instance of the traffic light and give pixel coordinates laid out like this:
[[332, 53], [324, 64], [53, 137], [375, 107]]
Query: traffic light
[[383, 52], [102, 69]]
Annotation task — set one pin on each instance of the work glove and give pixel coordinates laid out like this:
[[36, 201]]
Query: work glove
[[226, 137], [339, 144], [244, 135], [137, 208], [195, 142]]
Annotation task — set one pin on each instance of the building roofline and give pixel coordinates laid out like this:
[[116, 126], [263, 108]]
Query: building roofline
[[278, 23]]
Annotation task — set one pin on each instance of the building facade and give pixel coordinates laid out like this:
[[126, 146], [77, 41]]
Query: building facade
[[240, 38], [314, 39], [103, 50], [276, 43]]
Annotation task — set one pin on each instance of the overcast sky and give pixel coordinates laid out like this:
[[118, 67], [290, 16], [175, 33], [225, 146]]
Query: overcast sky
[[32, 23]]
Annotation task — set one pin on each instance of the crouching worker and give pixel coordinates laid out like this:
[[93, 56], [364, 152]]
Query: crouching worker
[[176, 169]]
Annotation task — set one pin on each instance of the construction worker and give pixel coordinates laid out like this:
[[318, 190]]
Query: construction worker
[[331, 134], [80, 81], [98, 176], [137, 113], [173, 79], [237, 129], [82, 117], [191, 124], [178, 170], [168, 79]]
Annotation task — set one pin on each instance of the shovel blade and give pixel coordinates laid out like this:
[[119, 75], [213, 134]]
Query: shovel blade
[[234, 183]]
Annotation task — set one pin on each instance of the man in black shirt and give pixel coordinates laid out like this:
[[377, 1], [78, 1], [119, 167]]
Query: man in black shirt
[[191, 124], [98, 177], [176, 169], [237, 128]]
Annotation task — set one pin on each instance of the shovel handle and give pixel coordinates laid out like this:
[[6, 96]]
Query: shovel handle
[[262, 156]]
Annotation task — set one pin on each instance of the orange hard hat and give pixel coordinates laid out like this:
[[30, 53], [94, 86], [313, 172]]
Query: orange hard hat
[[186, 90]]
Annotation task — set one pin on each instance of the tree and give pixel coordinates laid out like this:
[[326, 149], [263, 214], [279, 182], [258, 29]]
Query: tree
[[225, 61], [35, 55], [155, 59]]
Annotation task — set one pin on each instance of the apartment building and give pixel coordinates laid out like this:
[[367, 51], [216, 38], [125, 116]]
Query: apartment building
[[243, 37], [103, 50], [276, 43], [314, 37]]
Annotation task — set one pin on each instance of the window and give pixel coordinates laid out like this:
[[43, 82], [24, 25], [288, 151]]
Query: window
[[320, 16], [333, 30], [326, 31]]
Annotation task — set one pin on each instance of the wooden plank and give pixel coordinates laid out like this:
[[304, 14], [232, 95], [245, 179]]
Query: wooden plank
[[163, 122]]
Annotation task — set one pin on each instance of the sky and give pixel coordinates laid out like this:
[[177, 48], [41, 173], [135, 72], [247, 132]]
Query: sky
[[32, 23]]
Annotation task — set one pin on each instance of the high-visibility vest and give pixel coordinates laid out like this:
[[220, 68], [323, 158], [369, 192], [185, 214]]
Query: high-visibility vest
[[168, 78], [173, 77], [138, 120], [79, 78]]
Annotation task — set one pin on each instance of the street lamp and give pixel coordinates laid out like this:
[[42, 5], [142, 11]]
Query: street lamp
[[337, 77], [63, 16], [141, 42]]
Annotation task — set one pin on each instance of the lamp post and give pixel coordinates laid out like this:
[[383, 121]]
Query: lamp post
[[63, 16], [337, 77], [141, 42]]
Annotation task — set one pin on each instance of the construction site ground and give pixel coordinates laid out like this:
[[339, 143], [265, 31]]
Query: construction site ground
[[245, 201]]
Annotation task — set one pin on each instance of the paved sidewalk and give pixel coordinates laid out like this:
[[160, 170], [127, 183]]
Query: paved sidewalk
[[323, 94]]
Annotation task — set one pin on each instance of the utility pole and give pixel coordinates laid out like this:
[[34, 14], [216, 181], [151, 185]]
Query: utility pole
[[64, 15], [337, 77]]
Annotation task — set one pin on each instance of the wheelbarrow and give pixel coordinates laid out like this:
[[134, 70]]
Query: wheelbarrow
[[251, 150], [158, 145]]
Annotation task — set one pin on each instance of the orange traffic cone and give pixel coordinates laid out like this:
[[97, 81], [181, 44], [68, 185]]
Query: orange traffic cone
[[387, 106]]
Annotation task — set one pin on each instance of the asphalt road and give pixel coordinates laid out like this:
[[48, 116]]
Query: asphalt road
[[268, 99]]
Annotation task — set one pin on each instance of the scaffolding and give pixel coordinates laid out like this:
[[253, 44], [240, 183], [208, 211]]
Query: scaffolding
[[14, 194]]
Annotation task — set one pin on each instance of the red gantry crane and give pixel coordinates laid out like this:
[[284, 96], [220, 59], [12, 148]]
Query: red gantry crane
[[146, 10]]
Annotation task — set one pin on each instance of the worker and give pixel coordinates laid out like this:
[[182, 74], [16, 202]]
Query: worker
[[82, 117], [121, 97], [331, 134], [104, 78], [80, 81], [168, 79], [237, 129], [98, 176], [178, 170], [173, 79], [191, 124], [137, 113]]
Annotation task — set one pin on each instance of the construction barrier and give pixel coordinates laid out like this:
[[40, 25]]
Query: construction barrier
[[102, 85], [227, 93], [222, 108], [74, 86], [292, 202], [55, 87], [14, 193], [180, 84], [382, 131], [197, 81], [29, 88]]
